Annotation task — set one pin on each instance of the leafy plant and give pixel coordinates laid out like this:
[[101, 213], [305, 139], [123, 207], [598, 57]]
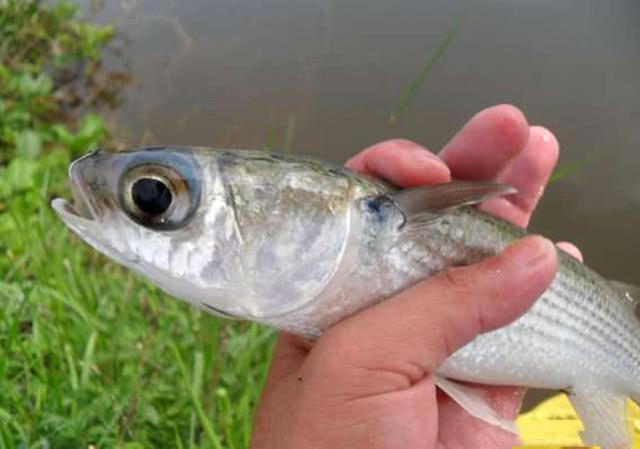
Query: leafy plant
[[50, 76], [90, 354], [51, 79]]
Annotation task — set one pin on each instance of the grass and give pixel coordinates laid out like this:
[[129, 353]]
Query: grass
[[411, 90], [570, 168], [92, 354]]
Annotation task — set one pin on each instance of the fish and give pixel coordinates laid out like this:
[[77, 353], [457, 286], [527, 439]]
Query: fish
[[299, 244]]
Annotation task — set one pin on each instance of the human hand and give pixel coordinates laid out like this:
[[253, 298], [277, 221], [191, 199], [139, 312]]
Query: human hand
[[368, 381]]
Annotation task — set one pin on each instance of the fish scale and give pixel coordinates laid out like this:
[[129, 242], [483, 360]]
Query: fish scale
[[567, 312]]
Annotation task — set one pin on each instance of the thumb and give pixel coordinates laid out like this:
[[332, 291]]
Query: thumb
[[289, 354], [411, 334]]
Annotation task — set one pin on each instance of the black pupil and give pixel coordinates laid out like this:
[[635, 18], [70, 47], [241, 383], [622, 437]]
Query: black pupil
[[151, 196]]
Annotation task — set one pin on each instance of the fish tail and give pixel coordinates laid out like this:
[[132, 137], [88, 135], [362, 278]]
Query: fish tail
[[603, 415]]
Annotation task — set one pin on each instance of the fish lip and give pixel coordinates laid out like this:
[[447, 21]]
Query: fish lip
[[83, 204], [80, 206], [88, 229]]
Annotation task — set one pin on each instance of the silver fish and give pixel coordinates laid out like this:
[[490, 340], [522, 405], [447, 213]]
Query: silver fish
[[299, 244]]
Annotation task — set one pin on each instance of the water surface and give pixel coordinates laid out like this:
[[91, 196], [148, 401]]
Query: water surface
[[239, 73]]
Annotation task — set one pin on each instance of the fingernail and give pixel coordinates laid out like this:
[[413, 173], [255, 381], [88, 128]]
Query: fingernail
[[429, 162], [422, 152], [533, 251], [406, 143]]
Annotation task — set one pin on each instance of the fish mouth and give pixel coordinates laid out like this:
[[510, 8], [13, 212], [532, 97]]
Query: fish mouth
[[82, 216], [79, 209], [83, 206]]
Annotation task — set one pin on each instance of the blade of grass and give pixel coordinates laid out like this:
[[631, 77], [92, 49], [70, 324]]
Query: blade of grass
[[198, 372], [271, 139], [288, 134], [204, 420], [565, 170], [178, 439], [87, 359], [411, 90], [192, 430], [73, 374], [227, 410]]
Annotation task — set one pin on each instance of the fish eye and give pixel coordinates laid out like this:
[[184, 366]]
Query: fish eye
[[157, 196], [152, 196]]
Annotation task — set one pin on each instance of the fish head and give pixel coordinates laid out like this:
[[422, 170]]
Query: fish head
[[144, 209], [238, 234]]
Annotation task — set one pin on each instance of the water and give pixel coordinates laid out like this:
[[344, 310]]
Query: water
[[238, 73]]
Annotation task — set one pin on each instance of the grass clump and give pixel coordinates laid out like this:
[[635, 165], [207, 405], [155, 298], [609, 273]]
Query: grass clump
[[90, 354]]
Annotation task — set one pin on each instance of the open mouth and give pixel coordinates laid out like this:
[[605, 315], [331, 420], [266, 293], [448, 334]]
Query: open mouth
[[81, 217], [80, 209]]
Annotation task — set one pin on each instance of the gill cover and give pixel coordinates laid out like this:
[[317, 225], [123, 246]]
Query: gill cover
[[239, 233]]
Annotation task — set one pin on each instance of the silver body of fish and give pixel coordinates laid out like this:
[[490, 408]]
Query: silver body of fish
[[299, 244]]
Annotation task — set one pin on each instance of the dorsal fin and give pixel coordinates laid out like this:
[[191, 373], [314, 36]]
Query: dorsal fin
[[422, 204]]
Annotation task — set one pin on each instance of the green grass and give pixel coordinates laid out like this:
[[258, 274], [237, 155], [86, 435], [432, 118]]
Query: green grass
[[92, 354], [412, 89], [570, 168]]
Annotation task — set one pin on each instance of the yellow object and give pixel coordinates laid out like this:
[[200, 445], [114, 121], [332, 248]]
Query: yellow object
[[554, 424]]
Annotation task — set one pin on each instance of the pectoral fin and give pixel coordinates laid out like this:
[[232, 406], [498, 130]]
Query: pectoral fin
[[603, 416], [474, 401], [428, 202]]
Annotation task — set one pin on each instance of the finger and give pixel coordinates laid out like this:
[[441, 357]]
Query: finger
[[570, 249], [482, 148], [529, 173], [411, 334], [288, 355], [401, 162]]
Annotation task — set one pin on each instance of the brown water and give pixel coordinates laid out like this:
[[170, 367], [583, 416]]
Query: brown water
[[238, 73]]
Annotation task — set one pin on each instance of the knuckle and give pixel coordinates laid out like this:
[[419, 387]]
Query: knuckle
[[475, 284], [460, 280]]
